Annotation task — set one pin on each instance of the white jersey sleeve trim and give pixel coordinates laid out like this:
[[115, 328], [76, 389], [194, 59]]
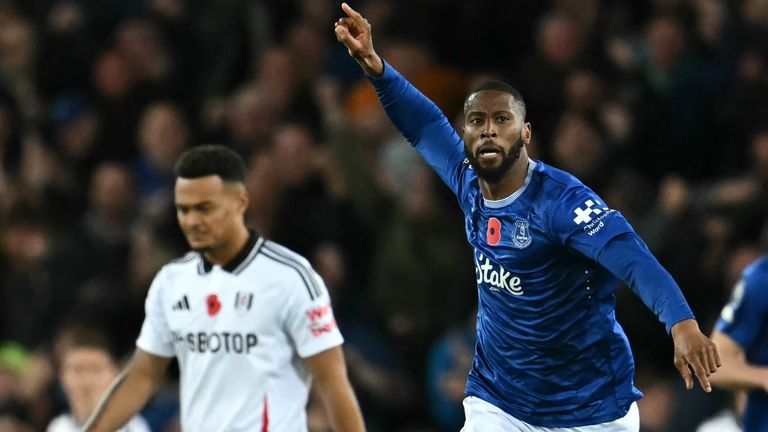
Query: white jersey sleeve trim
[[298, 264]]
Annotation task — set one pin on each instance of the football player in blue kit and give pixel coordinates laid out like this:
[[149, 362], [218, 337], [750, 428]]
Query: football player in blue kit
[[741, 334], [549, 255]]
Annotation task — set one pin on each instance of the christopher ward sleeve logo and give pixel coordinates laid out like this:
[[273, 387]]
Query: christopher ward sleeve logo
[[592, 225], [584, 215]]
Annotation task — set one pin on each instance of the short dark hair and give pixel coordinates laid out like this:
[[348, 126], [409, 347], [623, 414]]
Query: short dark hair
[[90, 338], [82, 335], [206, 160], [498, 86]]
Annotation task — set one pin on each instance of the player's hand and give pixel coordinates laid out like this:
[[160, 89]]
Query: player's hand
[[693, 350], [354, 32]]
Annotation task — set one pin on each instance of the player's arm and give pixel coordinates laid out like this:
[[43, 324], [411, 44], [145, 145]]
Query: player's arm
[[581, 221], [129, 392], [417, 118], [329, 372], [737, 373], [410, 110], [740, 328], [354, 31], [627, 257]]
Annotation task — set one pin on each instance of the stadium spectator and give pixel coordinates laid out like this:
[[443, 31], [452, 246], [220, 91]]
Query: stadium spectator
[[87, 369]]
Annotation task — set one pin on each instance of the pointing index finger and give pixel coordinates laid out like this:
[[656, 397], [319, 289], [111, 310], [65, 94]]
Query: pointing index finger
[[352, 13]]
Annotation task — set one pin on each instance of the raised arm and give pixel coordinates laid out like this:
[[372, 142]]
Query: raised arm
[[410, 111], [354, 32], [129, 392], [330, 379], [417, 118]]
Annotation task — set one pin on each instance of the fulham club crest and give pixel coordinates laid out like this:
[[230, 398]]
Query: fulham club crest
[[243, 302]]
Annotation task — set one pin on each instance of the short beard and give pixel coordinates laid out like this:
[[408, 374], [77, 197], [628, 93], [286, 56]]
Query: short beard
[[494, 175]]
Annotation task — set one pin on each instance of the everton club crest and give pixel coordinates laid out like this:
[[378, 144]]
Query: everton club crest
[[521, 236]]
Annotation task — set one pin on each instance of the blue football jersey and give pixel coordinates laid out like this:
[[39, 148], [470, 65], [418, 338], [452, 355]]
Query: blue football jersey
[[745, 320], [549, 350]]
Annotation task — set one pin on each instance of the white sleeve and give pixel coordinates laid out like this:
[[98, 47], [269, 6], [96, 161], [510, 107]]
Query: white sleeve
[[310, 321], [61, 423], [136, 424], [155, 337]]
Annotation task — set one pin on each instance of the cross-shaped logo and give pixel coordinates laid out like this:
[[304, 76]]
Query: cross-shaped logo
[[584, 215]]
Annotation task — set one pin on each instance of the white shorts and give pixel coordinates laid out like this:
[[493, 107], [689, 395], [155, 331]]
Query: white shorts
[[482, 416]]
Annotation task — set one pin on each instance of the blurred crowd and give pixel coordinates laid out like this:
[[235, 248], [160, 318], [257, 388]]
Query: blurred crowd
[[660, 106]]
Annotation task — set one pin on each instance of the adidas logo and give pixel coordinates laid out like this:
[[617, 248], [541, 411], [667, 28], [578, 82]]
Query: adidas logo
[[182, 304]]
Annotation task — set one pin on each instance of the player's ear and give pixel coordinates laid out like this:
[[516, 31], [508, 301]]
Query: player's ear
[[242, 196], [526, 133]]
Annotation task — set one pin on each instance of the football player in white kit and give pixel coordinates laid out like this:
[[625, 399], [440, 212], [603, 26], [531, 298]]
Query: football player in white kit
[[249, 321]]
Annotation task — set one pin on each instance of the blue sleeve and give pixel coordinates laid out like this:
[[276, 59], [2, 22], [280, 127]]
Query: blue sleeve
[[423, 124], [628, 258], [745, 315], [580, 220]]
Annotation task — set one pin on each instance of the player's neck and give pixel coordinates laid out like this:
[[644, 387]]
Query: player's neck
[[510, 183], [229, 250]]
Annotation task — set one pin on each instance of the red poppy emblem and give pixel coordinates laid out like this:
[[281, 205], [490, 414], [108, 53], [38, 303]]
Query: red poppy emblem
[[494, 232], [213, 303]]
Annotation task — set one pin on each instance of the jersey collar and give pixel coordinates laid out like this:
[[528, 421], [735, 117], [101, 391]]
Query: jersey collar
[[242, 259]]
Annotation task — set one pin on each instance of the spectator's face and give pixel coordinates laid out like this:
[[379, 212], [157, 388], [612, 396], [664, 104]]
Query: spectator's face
[[560, 41], [17, 46], [111, 76], [666, 43], [494, 133], [577, 146], [252, 114], [209, 211], [77, 138], [111, 191], [163, 135], [25, 246], [293, 153], [86, 373]]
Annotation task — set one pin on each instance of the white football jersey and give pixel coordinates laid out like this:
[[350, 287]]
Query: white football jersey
[[240, 334], [67, 423]]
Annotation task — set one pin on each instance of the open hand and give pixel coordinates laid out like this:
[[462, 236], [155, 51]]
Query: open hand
[[354, 32], [695, 351]]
